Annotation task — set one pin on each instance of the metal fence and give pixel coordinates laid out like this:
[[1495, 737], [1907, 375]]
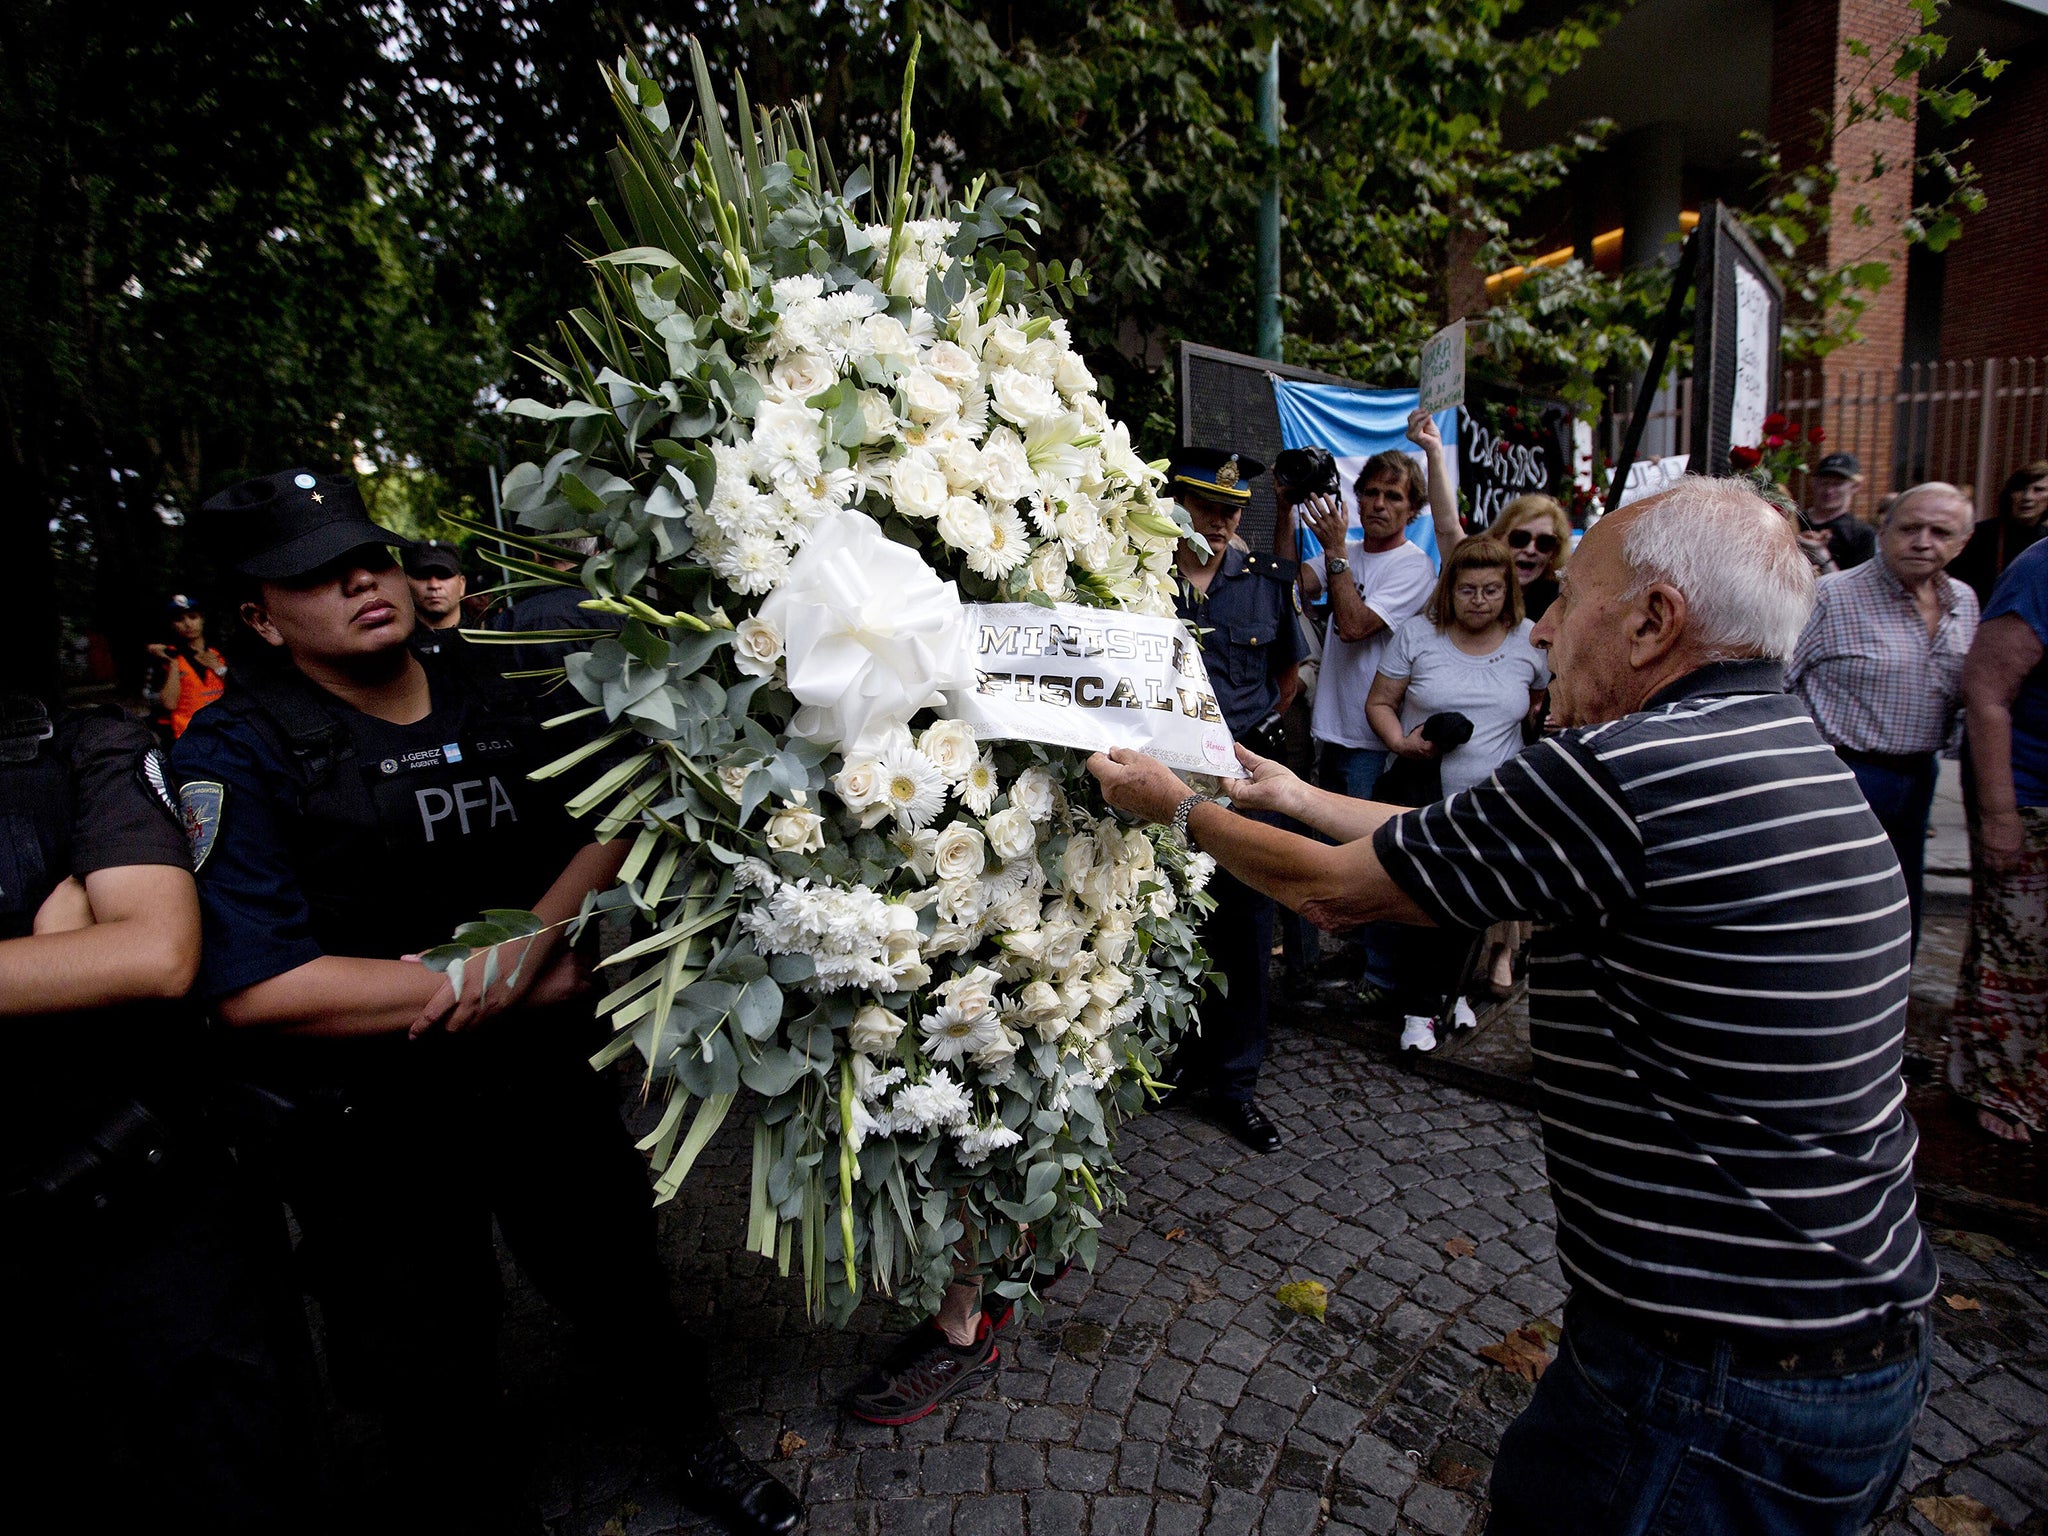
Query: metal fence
[[1970, 423]]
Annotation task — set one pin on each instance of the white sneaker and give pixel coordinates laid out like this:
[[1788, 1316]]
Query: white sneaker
[[1462, 1016], [1418, 1033]]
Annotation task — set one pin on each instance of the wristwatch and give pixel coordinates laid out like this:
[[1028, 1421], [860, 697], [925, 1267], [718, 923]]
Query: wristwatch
[[1181, 813], [1337, 565]]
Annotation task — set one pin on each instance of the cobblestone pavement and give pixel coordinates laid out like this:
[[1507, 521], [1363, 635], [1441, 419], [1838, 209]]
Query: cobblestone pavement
[[1169, 1394]]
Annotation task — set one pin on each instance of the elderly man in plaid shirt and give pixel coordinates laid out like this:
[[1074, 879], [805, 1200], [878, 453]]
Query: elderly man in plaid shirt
[[1880, 665]]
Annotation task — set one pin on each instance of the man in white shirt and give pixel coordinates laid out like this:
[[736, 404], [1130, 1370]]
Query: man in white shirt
[[1379, 580]]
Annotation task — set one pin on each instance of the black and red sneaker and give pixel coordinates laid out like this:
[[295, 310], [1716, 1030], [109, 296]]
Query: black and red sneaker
[[921, 1373]]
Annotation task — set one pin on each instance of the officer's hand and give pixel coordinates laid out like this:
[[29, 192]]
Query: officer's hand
[[1271, 787], [564, 977], [1327, 519], [476, 1003], [65, 910], [1422, 431], [1142, 785], [1413, 745]]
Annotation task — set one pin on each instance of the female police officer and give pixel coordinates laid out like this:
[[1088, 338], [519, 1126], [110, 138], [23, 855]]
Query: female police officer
[[1243, 608], [348, 806]]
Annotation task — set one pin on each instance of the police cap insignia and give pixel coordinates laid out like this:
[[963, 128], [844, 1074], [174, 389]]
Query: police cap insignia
[[1226, 473], [201, 802]]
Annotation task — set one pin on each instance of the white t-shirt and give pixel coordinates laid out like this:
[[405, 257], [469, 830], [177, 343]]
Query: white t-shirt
[[1492, 691], [1395, 584]]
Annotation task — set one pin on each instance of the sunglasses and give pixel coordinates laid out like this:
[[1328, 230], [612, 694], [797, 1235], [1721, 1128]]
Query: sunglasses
[[1522, 538]]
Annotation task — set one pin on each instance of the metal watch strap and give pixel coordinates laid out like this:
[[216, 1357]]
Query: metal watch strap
[[1181, 813]]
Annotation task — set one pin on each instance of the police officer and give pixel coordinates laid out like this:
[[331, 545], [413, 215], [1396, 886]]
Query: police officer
[[148, 1327], [433, 569], [350, 804], [1243, 609]]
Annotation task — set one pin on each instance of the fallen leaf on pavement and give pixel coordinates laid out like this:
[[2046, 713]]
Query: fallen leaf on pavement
[[1176, 1234], [1458, 1248], [1963, 1304], [1549, 1331], [1978, 1245], [1522, 1352], [1306, 1297], [1956, 1514], [790, 1443], [1456, 1476]]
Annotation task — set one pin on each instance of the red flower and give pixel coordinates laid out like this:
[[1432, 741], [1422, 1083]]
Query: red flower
[[1775, 422], [1774, 442], [1745, 458], [1815, 435]]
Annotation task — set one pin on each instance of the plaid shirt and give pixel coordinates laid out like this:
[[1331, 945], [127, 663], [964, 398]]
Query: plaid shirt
[[1873, 678]]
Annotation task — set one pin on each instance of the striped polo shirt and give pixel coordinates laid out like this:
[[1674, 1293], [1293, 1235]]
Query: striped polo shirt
[[1717, 998]]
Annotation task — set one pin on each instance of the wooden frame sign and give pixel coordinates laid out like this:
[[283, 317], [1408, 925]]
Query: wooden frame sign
[[1738, 309]]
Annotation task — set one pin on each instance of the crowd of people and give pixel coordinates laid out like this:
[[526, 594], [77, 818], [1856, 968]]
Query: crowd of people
[[1687, 766]]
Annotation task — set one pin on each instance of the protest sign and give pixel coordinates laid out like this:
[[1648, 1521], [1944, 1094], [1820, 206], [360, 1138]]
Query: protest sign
[[1651, 477], [1442, 375], [1510, 445], [1094, 679]]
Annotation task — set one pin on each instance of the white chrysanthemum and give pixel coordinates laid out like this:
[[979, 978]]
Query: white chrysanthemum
[[752, 563], [841, 331], [977, 786], [913, 786], [787, 441], [791, 290], [1008, 546], [1200, 868], [824, 493], [937, 1103], [974, 1143], [950, 1033]]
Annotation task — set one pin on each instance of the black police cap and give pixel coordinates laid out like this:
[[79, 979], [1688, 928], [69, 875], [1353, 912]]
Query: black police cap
[[432, 557], [281, 526]]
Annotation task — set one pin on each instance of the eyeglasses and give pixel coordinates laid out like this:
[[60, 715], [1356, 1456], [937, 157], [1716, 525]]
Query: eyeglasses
[[1522, 538], [1491, 590]]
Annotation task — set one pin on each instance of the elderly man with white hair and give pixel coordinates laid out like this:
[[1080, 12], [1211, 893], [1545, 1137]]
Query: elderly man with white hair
[[1717, 1000], [1880, 665]]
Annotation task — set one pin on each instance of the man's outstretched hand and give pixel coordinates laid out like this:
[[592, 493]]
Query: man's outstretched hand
[[1271, 787], [1141, 785]]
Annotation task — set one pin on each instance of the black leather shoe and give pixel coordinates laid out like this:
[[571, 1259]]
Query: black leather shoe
[[1246, 1121], [741, 1494]]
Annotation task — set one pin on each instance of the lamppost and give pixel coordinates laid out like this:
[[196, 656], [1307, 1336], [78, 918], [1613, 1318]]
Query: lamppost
[[1271, 335]]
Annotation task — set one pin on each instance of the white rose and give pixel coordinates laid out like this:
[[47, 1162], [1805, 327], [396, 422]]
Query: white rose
[[1072, 375], [1022, 399], [1006, 473], [877, 417], [874, 1030], [859, 783], [960, 904], [1016, 915], [803, 375], [1041, 358], [960, 461], [1048, 569], [1003, 345], [964, 523], [953, 365], [900, 950], [973, 994], [1035, 793], [961, 853], [1163, 902], [886, 337], [950, 744], [1010, 833], [1138, 852], [732, 777], [917, 485], [756, 647], [795, 830], [925, 398]]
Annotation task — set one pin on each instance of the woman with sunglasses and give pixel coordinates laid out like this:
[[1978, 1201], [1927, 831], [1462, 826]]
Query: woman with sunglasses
[[1539, 536]]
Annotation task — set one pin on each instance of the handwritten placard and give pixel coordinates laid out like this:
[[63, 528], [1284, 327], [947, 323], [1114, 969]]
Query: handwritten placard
[[1093, 679], [1442, 374]]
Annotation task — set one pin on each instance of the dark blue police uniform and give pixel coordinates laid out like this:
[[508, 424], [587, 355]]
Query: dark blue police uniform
[[1250, 633], [318, 830]]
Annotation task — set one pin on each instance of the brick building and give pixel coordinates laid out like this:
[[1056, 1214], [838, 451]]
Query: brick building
[[1691, 84]]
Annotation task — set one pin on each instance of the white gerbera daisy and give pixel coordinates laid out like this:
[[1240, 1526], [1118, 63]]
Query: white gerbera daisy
[[913, 786], [977, 787], [951, 1033], [1007, 545]]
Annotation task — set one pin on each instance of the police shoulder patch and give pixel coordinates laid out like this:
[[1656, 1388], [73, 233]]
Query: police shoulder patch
[[154, 775], [200, 803]]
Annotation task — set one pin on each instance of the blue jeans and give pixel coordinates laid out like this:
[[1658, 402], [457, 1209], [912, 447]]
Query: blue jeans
[[1351, 770], [1901, 802], [1622, 1440]]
